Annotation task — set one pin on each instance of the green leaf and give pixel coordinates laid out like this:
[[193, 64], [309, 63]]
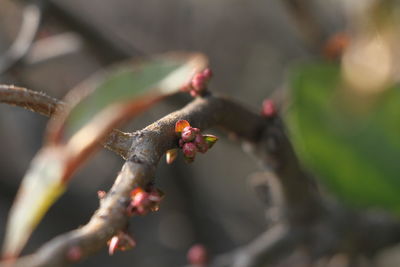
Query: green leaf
[[128, 86], [351, 143], [210, 139], [41, 186]]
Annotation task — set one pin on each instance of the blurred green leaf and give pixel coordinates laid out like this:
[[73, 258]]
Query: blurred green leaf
[[355, 153], [41, 186], [127, 84]]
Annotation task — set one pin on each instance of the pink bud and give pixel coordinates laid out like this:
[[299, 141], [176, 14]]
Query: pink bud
[[268, 108], [194, 93], [188, 134], [199, 82], [140, 199], [201, 144], [74, 253], [101, 194], [121, 241], [189, 150], [197, 255], [113, 244], [208, 73]]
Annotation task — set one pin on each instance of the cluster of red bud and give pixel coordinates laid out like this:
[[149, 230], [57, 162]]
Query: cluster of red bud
[[268, 109], [198, 84], [142, 201], [191, 141], [121, 241]]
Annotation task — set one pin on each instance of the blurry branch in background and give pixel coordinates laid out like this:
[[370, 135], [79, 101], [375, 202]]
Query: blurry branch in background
[[307, 220], [52, 47], [29, 27]]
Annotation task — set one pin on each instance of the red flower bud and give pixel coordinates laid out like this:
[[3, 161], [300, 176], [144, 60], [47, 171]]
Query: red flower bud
[[199, 82], [188, 134], [101, 194], [189, 150], [201, 144], [121, 241], [197, 255], [208, 73], [268, 108]]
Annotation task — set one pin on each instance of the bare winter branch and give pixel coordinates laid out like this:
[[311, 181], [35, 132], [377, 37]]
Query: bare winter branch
[[306, 218]]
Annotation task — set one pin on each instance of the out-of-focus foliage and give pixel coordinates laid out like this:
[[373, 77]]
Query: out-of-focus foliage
[[345, 116], [351, 143]]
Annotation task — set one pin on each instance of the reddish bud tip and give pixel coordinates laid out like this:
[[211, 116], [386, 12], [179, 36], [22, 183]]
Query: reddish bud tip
[[188, 134], [197, 255], [74, 253], [189, 150], [113, 245], [199, 82], [101, 194], [194, 93], [201, 144], [180, 125], [140, 199], [268, 108], [208, 73], [121, 241]]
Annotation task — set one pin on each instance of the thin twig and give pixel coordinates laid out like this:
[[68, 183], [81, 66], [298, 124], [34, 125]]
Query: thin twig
[[117, 141]]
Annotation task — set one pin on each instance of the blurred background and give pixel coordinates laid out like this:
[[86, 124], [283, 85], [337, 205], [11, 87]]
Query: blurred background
[[250, 45]]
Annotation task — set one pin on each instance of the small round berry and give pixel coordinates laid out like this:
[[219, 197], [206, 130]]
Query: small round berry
[[188, 134], [268, 108], [189, 150]]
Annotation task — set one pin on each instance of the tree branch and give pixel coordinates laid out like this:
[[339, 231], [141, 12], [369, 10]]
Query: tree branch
[[307, 218], [117, 141]]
